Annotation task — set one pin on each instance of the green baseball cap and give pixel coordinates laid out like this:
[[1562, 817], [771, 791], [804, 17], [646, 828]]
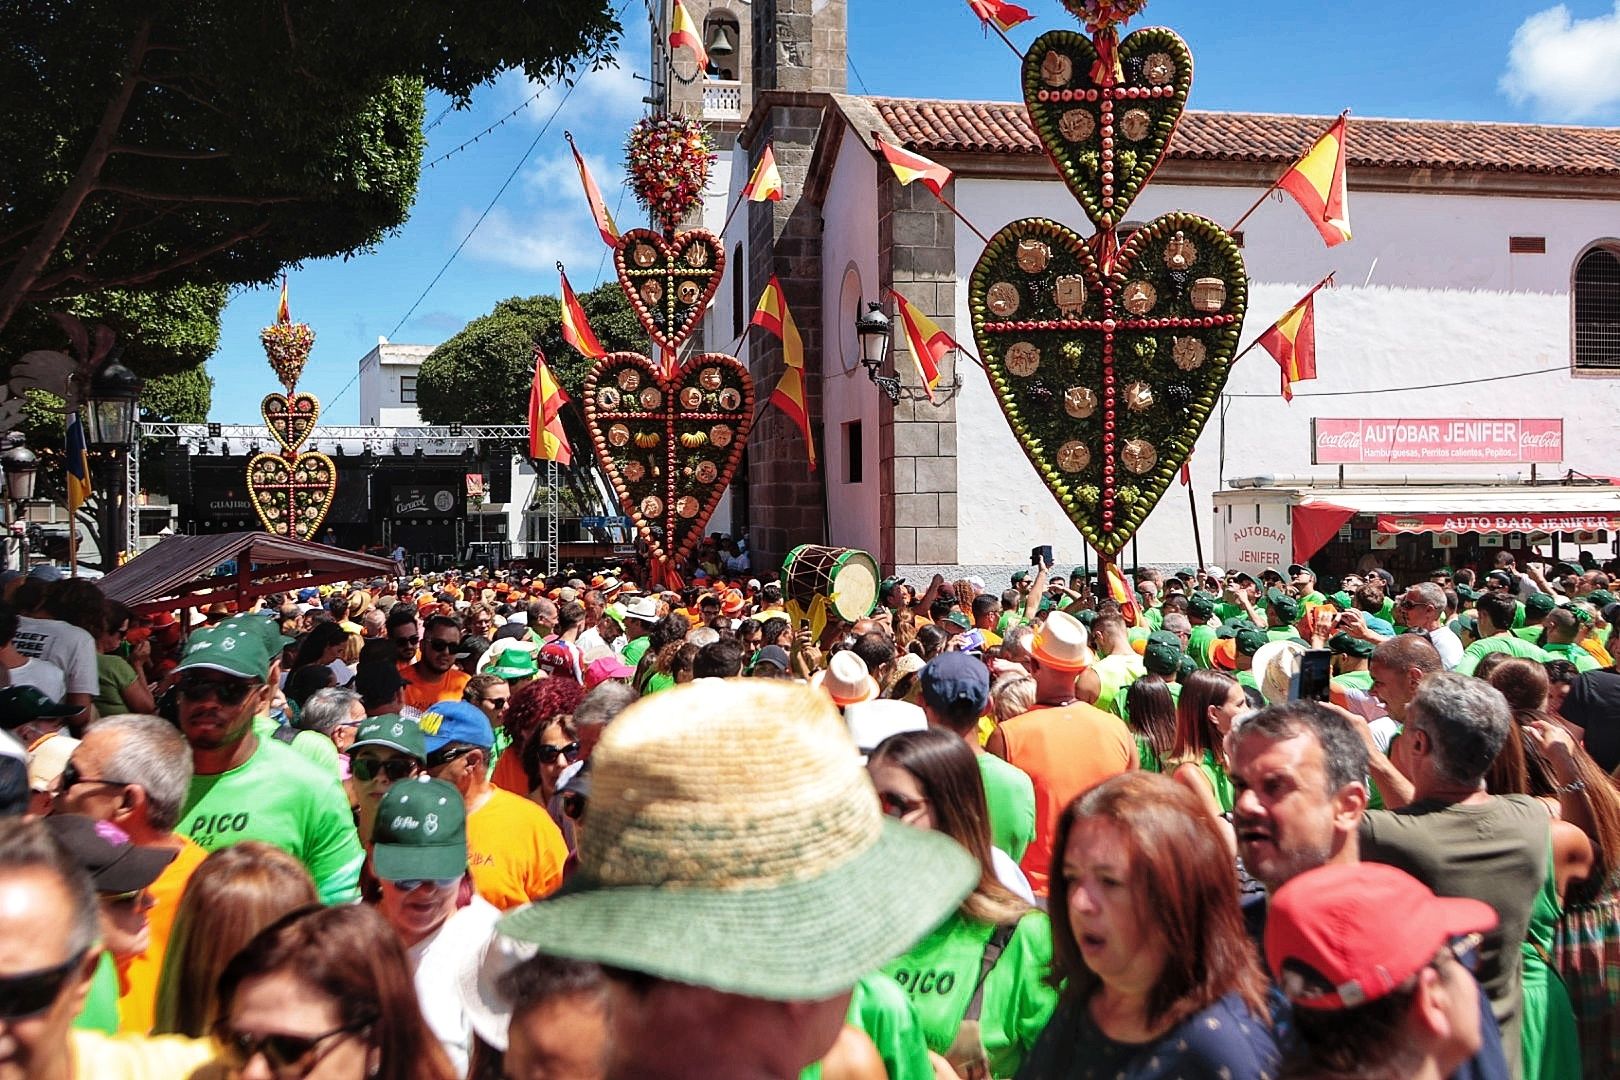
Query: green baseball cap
[[1282, 604], [513, 664], [421, 832], [235, 650], [1342, 600], [1539, 606], [888, 584], [1019, 575], [1079, 572], [1599, 598], [21, 704], [1185, 667], [1250, 641], [394, 731], [1200, 606], [959, 620], [268, 630], [1467, 592], [1161, 656], [1345, 645], [1230, 628]]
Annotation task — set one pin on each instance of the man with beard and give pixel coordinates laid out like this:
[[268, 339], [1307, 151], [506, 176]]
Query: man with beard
[[1299, 777], [247, 788]]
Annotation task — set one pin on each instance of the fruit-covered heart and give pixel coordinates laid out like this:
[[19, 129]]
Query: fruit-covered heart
[[291, 418], [669, 283], [670, 443], [291, 494], [1107, 379], [1106, 137]]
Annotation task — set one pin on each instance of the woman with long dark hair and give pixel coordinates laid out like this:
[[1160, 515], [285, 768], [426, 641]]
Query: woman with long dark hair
[[656, 670], [1210, 702], [1152, 712], [1158, 977], [996, 949], [322, 645]]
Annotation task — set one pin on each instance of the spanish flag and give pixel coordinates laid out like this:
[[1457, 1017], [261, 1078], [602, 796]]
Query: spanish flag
[[283, 312], [789, 395], [593, 195], [683, 31], [1317, 183], [547, 441], [766, 183], [929, 344], [1292, 342], [78, 465], [576, 329], [908, 167], [1120, 593], [1002, 15]]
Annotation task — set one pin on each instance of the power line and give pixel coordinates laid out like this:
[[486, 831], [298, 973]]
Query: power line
[[857, 73], [437, 120], [1403, 389], [453, 152]]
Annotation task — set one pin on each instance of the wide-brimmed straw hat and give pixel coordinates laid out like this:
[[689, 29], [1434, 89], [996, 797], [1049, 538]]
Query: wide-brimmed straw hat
[[1061, 643], [749, 857], [1276, 666], [846, 680]]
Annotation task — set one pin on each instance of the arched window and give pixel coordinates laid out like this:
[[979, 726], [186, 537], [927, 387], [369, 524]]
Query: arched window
[[1597, 310], [739, 299]]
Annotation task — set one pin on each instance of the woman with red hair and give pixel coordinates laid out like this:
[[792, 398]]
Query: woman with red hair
[[538, 721]]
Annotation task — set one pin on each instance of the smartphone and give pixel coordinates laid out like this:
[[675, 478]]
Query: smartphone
[[804, 624], [1315, 675], [1042, 554]]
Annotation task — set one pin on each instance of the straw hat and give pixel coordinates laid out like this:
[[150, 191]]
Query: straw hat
[[846, 680], [1061, 643], [1276, 666], [749, 857]]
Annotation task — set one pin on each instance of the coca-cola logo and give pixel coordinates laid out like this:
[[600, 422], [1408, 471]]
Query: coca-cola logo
[[1343, 440], [1550, 439]]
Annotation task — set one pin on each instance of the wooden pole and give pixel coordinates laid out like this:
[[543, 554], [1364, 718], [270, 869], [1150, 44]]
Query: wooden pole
[[1198, 539]]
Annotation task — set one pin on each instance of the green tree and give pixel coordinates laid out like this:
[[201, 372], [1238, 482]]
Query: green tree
[[161, 331], [154, 142]]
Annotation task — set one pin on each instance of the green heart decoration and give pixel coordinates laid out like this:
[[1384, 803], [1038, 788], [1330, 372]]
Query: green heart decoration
[[1106, 138], [1108, 376], [669, 282], [669, 440], [291, 493], [291, 417]]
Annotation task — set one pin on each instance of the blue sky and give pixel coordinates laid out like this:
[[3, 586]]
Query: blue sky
[[1499, 61]]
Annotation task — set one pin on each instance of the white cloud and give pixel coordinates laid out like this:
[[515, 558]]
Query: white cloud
[[1565, 68], [609, 95]]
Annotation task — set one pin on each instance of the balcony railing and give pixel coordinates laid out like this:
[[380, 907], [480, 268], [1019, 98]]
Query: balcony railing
[[722, 99]]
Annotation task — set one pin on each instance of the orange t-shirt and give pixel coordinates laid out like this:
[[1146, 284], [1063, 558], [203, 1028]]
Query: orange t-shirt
[[137, 1005], [509, 774], [514, 850], [422, 694], [1065, 749]]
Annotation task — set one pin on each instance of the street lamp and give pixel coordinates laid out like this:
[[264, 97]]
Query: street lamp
[[114, 390], [20, 465], [873, 330]]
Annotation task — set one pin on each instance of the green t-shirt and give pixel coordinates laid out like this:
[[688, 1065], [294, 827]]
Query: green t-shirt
[[100, 1012], [941, 970], [1198, 643], [1354, 680], [280, 797], [1226, 612], [1312, 598], [634, 651], [1583, 660], [1532, 634], [1246, 678], [1010, 795], [115, 674], [1497, 643], [1114, 675], [1154, 618], [880, 1010]]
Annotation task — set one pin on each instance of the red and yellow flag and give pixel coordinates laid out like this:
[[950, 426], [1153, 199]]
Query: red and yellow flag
[[1292, 342], [684, 31], [547, 441], [929, 344], [1119, 590], [576, 328], [283, 312], [766, 183], [772, 313], [1317, 183], [908, 166], [593, 195], [1002, 15]]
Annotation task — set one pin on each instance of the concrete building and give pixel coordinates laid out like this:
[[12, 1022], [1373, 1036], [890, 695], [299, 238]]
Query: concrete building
[[388, 384]]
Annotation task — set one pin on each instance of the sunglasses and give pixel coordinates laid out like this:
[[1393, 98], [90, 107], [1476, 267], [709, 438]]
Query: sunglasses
[[549, 754], [896, 805], [228, 692], [395, 769], [413, 641], [445, 757], [496, 703], [440, 645], [32, 992], [283, 1053], [72, 778], [437, 884]]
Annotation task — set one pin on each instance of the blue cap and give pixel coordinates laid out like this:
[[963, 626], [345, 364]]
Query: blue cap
[[955, 680], [306, 595], [458, 722]]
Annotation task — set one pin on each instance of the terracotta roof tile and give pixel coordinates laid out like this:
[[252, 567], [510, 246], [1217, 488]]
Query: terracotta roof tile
[[996, 127]]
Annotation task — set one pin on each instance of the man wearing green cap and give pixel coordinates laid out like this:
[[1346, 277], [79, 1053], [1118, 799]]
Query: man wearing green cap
[[1282, 612], [1350, 662], [1201, 613], [388, 749], [1564, 629], [244, 787], [1536, 610]]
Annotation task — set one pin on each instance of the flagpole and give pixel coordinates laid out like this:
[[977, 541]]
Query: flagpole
[[1282, 176], [1003, 35], [952, 208], [1192, 506]]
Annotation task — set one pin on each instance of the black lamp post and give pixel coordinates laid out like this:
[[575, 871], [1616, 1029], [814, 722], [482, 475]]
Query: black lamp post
[[110, 406], [21, 466], [873, 330]]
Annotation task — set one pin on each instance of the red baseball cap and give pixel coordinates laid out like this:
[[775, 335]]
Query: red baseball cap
[[1343, 935]]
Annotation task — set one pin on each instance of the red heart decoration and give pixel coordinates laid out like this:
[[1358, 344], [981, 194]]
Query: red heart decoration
[[291, 418], [669, 442], [669, 282]]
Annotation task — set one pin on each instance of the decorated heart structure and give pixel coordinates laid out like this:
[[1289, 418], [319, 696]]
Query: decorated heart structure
[[291, 419], [669, 282], [292, 494], [670, 442], [287, 346], [1106, 137]]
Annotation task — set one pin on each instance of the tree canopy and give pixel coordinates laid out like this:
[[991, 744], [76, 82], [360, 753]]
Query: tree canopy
[[482, 374], [160, 142]]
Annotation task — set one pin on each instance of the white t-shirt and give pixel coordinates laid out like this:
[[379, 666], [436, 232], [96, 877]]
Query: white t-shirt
[[72, 650], [436, 964], [43, 676], [1009, 874], [1448, 645]]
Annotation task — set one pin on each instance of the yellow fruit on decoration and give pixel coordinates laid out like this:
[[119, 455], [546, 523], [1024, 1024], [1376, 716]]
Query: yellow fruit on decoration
[[647, 440], [694, 439]]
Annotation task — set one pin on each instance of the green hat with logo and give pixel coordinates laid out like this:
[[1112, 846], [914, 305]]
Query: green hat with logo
[[1079, 572], [235, 650], [1162, 654], [1283, 604], [1250, 641], [1539, 606], [514, 664], [1345, 645], [959, 620], [393, 731], [1200, 606], [421, 832], [268, 630], [1019, 575], [888, 584]]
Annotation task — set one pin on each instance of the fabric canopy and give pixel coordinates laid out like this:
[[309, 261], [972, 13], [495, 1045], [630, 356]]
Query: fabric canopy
[[183, 571], [1315, 523]]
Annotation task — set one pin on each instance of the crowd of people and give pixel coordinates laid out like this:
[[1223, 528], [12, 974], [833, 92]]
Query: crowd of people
[[492, 825]]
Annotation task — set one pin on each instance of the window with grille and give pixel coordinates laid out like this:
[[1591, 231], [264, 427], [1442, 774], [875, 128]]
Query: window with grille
[[1597, 311]]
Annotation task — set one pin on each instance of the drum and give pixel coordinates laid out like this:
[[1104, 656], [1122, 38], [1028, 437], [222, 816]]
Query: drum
[[846, 577]]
